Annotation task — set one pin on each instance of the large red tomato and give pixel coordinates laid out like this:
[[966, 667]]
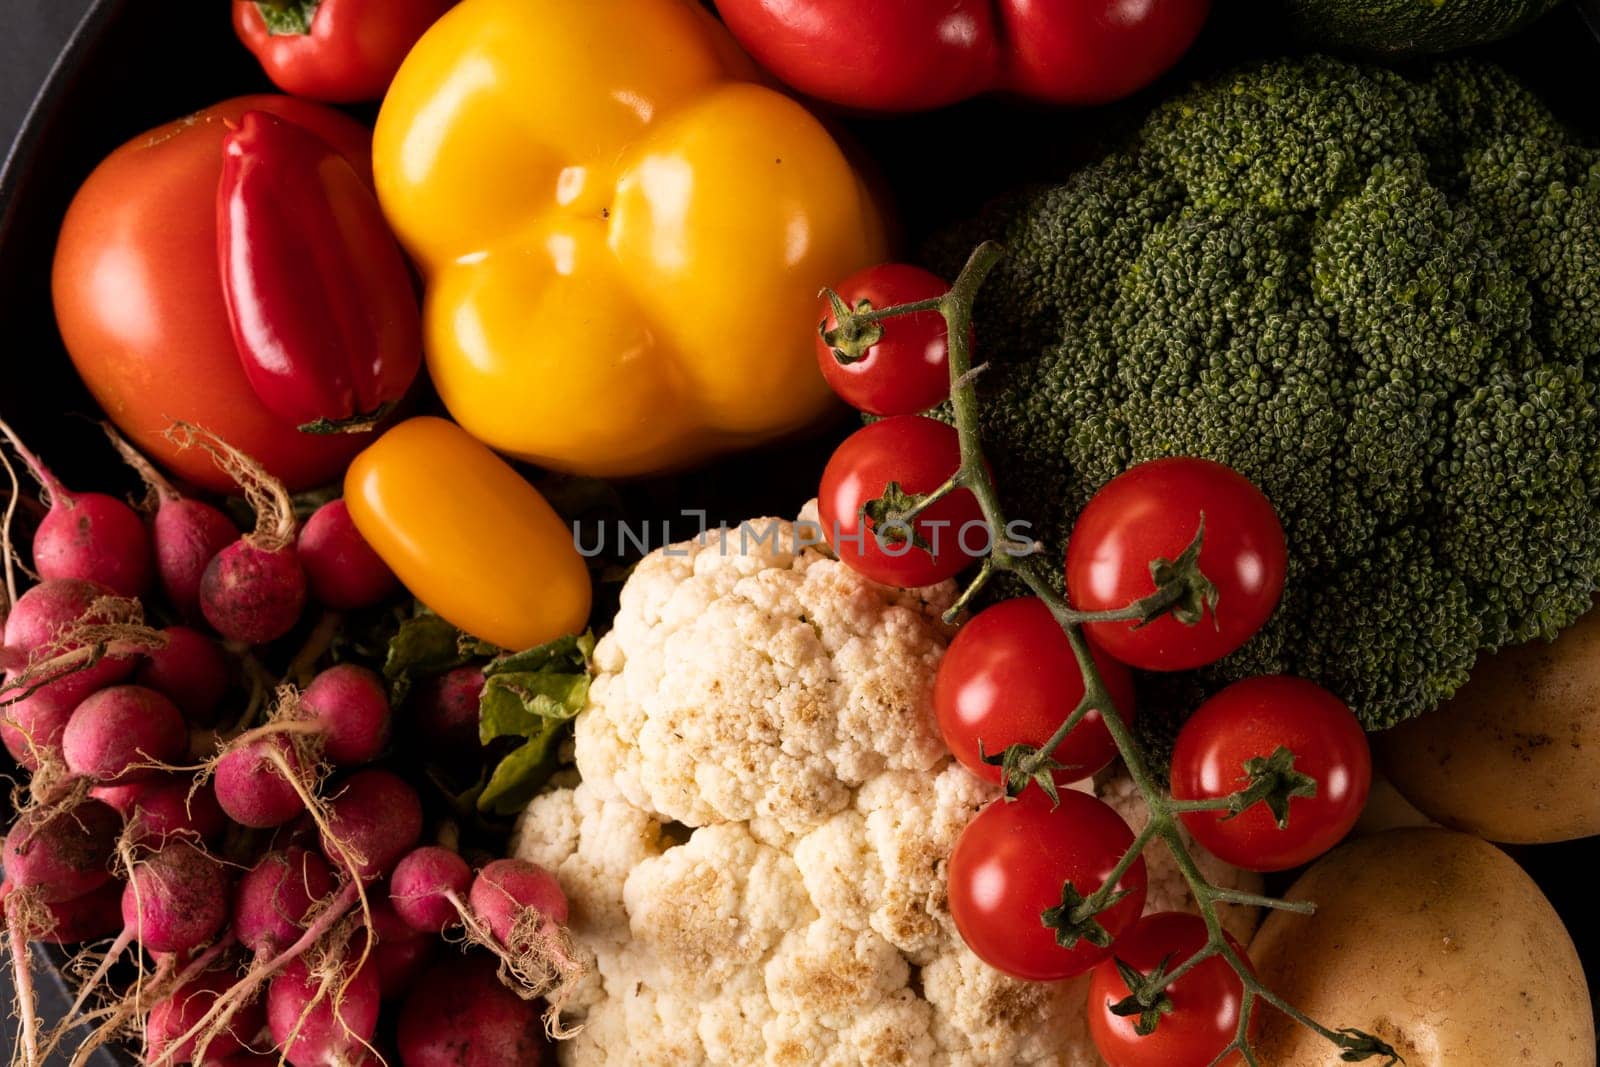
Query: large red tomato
[[138, 297]]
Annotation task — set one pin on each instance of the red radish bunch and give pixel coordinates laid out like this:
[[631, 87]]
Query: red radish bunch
[[225, 828]]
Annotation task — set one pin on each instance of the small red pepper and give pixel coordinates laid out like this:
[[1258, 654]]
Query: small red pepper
[[338, 51], [321, 301]]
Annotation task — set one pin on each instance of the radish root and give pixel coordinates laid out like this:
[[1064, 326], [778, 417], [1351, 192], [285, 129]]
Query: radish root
[[221, 1013], [538, 960], [12, 499], [26, 919], [110, 626], [275, 519], [157, 488], [52, 487]]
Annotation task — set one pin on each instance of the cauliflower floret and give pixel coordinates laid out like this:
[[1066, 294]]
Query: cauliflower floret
[[757, 852], [748, 682]]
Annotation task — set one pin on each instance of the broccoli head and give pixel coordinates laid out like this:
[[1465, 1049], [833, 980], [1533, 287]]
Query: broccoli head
[[1379, 299]]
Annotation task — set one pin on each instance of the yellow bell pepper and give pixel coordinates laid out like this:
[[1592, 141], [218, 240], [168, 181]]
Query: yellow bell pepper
[[467, 535], [622, 234]]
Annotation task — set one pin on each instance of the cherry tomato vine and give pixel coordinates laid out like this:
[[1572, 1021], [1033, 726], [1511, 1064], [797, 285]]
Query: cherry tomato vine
[[1181, 589]]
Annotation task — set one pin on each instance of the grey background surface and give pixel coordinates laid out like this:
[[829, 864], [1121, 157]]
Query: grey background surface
[[31, 33]]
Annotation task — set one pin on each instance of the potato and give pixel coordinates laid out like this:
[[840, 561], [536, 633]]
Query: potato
[[1439, 944], [1514, 756]]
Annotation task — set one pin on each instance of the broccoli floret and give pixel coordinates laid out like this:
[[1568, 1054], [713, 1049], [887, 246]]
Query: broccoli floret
[[1378, 298]]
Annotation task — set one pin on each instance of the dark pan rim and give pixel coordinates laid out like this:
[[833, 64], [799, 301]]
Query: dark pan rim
[[85, 37]]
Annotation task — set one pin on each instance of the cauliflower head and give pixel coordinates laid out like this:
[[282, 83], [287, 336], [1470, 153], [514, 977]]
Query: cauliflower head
[[756, 853]]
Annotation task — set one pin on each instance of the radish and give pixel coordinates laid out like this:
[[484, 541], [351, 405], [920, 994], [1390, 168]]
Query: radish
[[65, 616], [90, 917], [445, 714], [62, 853], [167, 805], [191, 671], [175, 900], [115, 735], [510, 893], [517, 910], [275, 896], [427, 888], [323, 1020], [253, 590], [64, 639], [373, 821], [173, 1016], [459, 1015], [43, 614], [351, 704], [31, 727], [398, 952], [251, 783], [186, 533], [89, 536], [343, 571]]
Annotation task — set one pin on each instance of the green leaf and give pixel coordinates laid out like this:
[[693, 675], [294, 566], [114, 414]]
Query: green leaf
[[288, 18], [518, 777], [571, 653], [534, 694], [426, 646], [519, 705]]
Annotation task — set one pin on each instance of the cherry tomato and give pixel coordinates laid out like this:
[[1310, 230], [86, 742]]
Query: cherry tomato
[[1152, 511], [920, 454], [1205, 1002], [1011, 864], [138, 297], [1254, 718], [909, 55], [1009, 677], [340, 51], [908, 369]]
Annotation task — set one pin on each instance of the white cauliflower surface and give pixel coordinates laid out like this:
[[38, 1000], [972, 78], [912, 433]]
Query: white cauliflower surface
[[756, 855]]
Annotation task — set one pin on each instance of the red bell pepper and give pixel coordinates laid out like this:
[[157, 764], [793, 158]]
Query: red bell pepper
[[321, 302], [341, 51], [911, 55]]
